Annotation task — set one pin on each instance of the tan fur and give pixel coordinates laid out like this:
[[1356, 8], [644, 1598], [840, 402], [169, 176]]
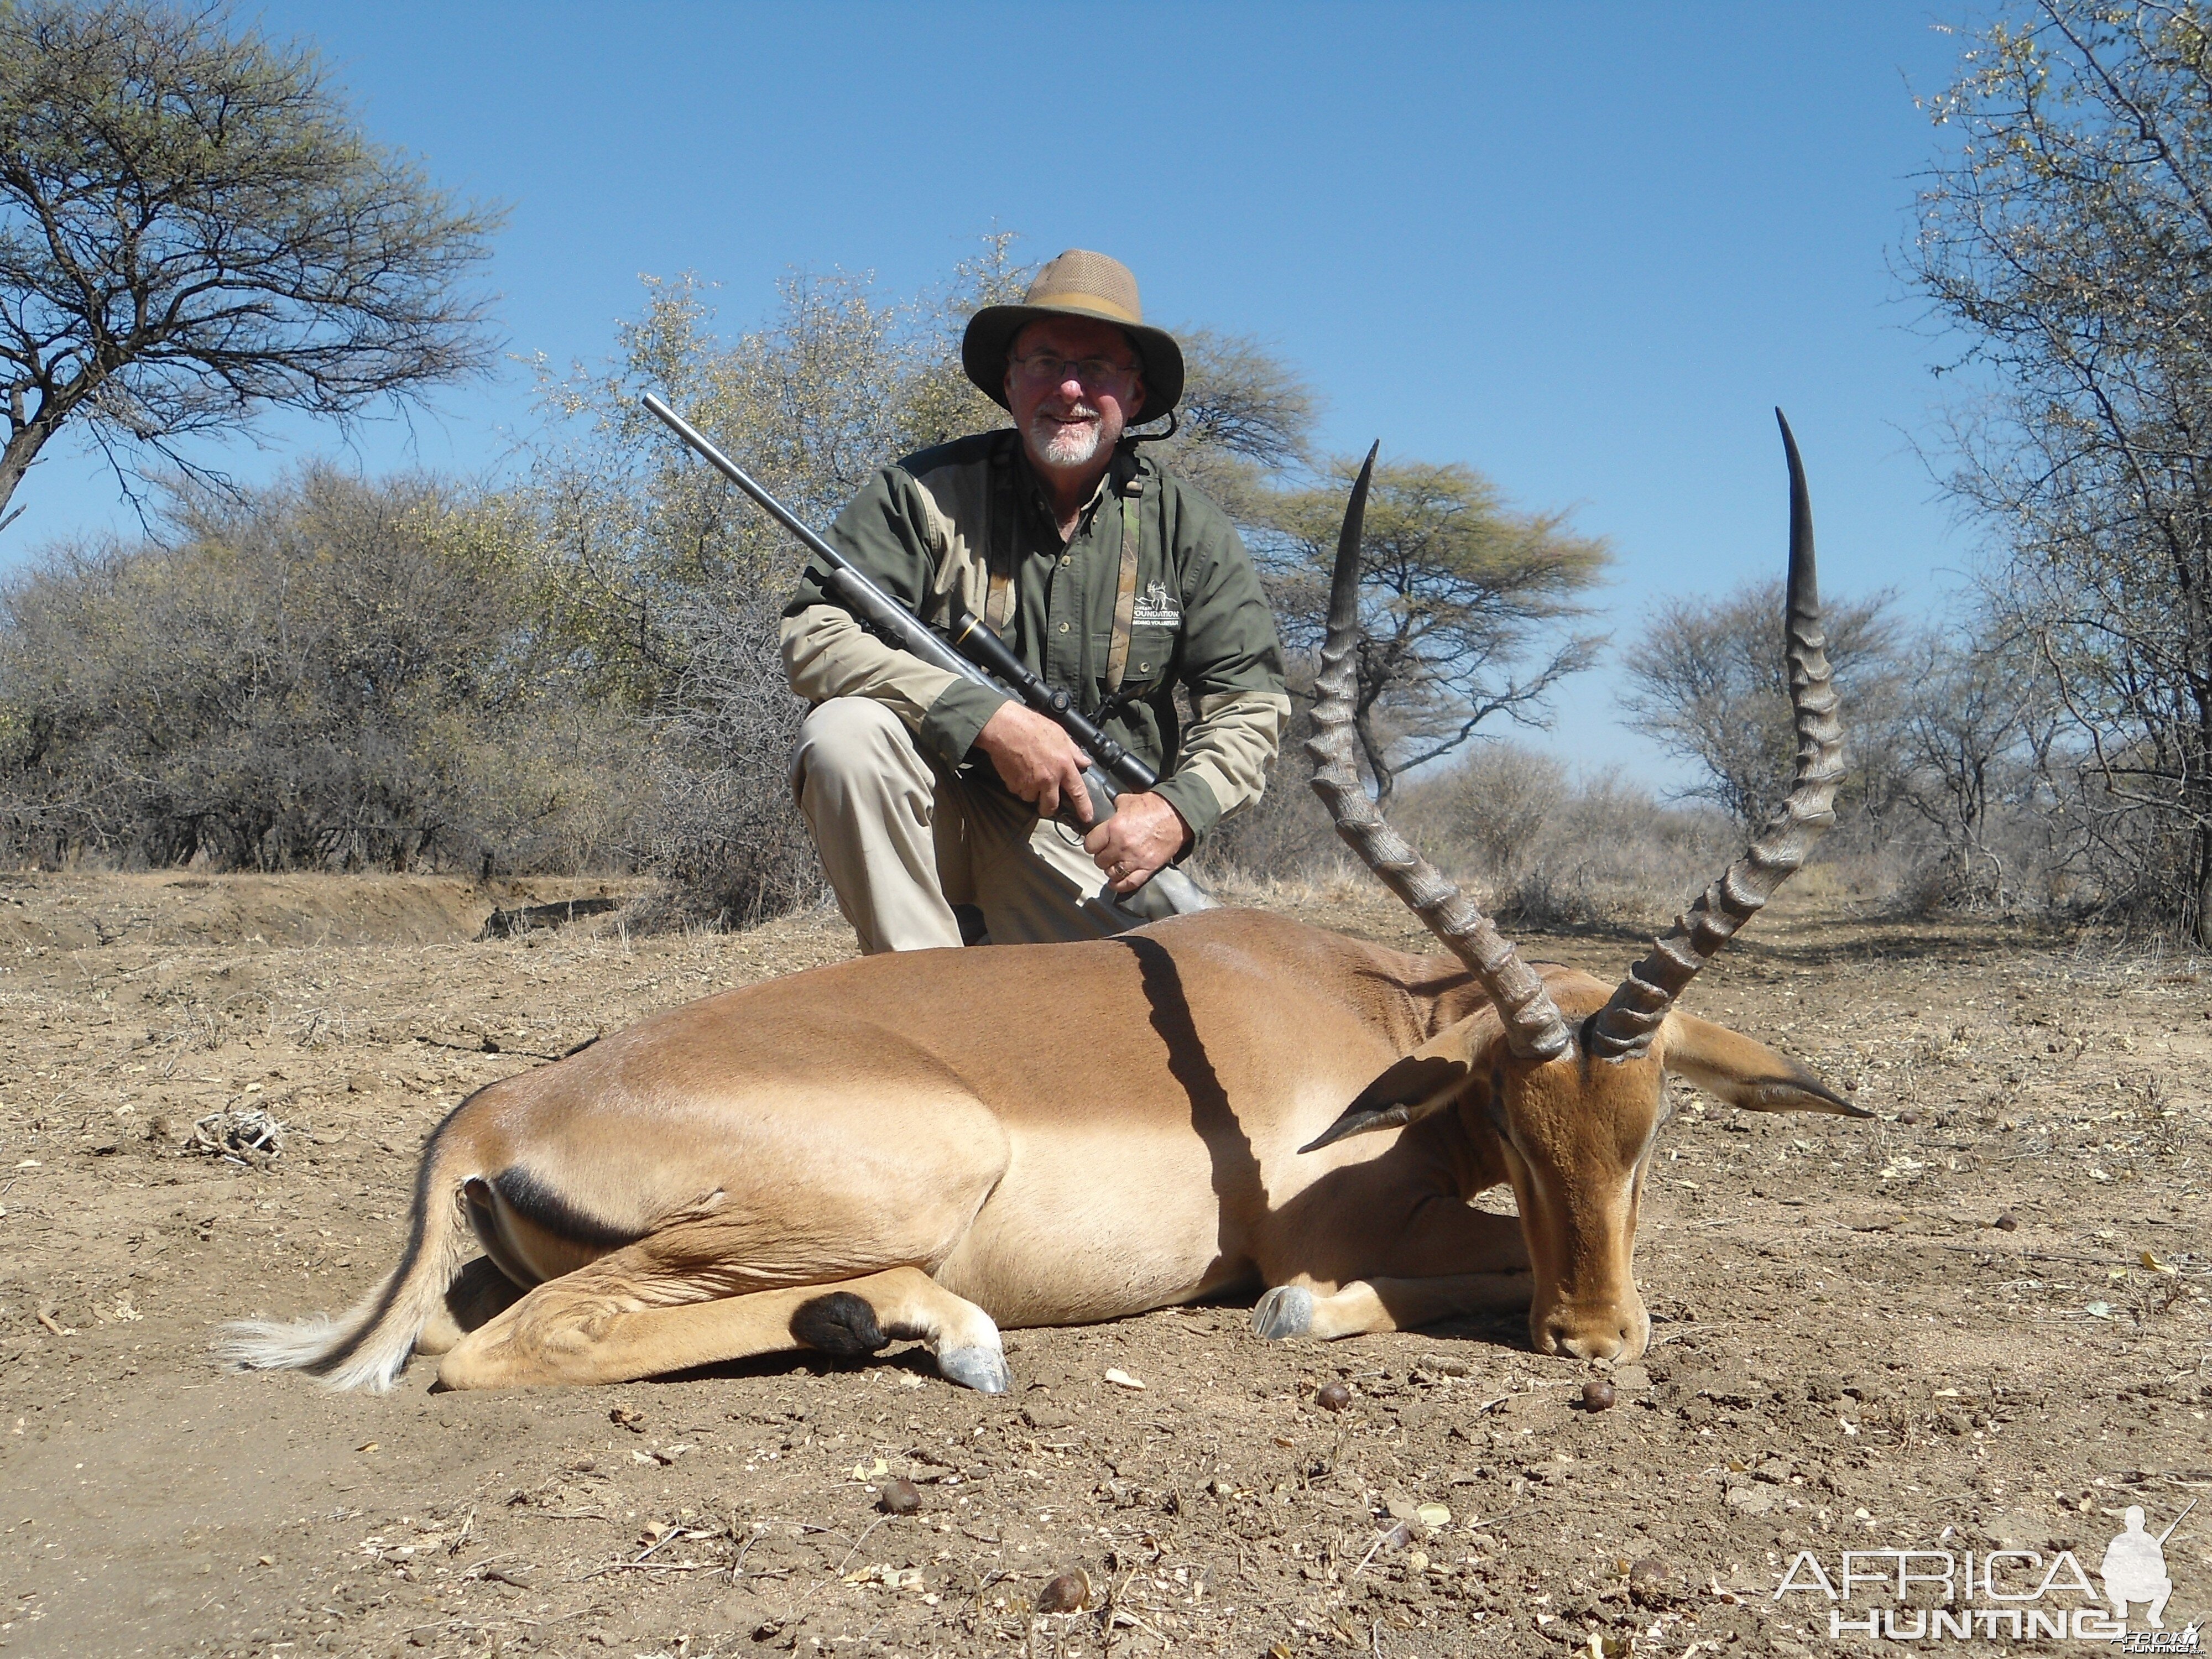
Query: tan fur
[[1033, 1135]]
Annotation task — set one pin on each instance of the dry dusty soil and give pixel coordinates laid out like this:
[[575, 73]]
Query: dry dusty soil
[[1976, 1324]]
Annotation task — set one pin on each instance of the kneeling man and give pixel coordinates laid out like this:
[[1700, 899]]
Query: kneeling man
[[1111, 578]]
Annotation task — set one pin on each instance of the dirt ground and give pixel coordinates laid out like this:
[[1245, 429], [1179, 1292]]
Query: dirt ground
[[1979, 1322]]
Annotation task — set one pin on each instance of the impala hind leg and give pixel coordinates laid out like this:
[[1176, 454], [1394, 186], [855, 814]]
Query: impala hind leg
[[599, 1325], [476, 1297]]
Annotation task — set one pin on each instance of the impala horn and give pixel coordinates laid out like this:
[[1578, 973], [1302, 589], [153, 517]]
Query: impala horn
[[1622, 1028], [1533, 1029]]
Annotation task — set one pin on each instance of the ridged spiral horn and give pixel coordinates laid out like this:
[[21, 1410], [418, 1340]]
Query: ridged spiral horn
[[1533, 1029], [1622, 1028]]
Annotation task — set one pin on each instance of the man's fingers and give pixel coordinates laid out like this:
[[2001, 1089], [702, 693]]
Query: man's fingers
[[1077, 792]]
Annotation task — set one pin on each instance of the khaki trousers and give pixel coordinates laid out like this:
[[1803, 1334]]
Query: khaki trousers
[[903, 839]]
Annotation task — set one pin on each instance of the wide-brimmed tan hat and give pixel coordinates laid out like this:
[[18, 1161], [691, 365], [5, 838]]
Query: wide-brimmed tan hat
[[1078, 283]]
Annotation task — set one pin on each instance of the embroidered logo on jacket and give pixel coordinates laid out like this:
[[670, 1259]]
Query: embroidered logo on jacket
[[1157, 608]]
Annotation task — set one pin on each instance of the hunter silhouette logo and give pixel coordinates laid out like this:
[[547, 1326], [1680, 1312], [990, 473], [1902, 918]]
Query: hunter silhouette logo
[[2134, 1568]]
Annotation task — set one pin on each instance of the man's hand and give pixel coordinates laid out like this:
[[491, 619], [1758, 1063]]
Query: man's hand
[[1037, 762], [1144, 834]]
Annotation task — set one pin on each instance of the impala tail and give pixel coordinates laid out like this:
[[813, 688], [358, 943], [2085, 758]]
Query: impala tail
[[368, 1345]]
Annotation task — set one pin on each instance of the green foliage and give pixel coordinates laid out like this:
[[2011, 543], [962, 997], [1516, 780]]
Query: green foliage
[[192, 228], [1458, 592]]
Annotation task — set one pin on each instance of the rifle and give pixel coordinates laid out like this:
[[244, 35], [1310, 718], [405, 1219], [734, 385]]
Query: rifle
[[975, 653]]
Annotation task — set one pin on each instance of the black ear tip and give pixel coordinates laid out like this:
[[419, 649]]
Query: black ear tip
[[1358, 1120], [1331, 1135]]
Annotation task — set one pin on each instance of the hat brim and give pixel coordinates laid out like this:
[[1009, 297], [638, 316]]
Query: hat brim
[[991, 334]]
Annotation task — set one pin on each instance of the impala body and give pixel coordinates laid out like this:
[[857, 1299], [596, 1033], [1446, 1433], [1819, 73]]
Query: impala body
[[935, 1143]]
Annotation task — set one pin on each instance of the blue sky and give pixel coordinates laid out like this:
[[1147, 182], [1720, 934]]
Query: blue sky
[[1585, 249]]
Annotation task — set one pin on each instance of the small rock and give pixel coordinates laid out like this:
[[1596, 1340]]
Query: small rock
[[1066, 1594], [1333, 1397], [900, 1497], [1647, 1584], [1122, 1379], [1039, 1415], [2007, 1222], [360, 1083], [624, 1418], [1597, 1395], [1400, 1507], [1751, 1500]]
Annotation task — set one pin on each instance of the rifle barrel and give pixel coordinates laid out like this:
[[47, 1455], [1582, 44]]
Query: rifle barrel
[[2177, 1520], [744, 480]]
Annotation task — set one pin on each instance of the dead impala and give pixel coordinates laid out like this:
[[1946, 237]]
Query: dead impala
[[933, 1145]]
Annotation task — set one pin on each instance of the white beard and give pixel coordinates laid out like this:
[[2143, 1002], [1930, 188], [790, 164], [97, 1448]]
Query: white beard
[[1059, 445]]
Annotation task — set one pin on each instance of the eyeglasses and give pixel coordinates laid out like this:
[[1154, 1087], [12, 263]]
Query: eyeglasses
[[1044, 366]]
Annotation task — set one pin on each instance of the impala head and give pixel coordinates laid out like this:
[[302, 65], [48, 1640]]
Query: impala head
[[1566, 1075]]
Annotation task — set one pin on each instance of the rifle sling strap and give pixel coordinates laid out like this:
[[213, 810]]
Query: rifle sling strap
[[1001, 540], [1125, 597]]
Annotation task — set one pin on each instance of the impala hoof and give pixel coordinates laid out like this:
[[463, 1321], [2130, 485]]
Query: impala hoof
[[1286, 1310], [983, 1369]]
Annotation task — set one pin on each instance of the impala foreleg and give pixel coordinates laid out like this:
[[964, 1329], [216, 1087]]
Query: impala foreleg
[[1354, 1271], [1387, 1305], [588, 1327]]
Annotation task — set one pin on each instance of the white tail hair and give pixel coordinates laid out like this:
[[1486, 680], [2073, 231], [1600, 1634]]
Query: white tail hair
[[368, 1345]]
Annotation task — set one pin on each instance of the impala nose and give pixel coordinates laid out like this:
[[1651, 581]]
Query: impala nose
[[1582, 1340], [1611, 1332]]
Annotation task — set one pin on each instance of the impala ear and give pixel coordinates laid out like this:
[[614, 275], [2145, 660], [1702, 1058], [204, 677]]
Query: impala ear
[[1746, 1073], [1422, 1084]]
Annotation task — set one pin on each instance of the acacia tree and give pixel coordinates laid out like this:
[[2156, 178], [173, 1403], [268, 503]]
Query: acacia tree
[[1459, 597], [2066, 237], [193, 229]]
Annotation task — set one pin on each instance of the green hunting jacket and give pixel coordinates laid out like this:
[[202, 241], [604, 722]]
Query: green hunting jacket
[[967, 524]]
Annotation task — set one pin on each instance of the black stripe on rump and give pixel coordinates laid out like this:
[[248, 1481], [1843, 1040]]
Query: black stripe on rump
[[544, 1207]]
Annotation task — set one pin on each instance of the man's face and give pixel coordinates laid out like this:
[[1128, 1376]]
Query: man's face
[[1070, 414]]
